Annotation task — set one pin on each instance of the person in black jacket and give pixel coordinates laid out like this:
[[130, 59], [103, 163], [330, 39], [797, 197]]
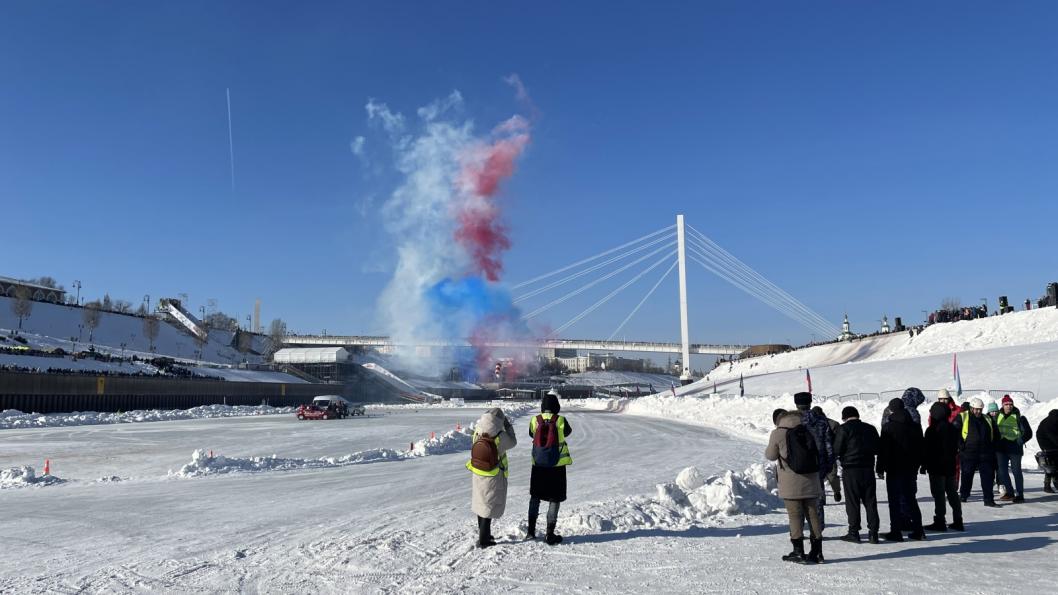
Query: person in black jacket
[[941, 462], [856, 445], [899, 459], [977, 452], [1047, 438]]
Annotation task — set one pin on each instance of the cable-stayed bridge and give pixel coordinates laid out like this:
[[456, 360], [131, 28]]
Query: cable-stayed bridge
[[587, 344], [674, 246]]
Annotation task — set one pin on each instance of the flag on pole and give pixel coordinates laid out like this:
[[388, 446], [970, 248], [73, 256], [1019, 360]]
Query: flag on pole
[[955, 374], [741, 387], [714, 387], [808, 378]]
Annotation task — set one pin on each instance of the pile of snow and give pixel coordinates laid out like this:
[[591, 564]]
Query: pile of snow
[[450, 442], [12, 418], [21, 477], [691, 500], [202, 464]]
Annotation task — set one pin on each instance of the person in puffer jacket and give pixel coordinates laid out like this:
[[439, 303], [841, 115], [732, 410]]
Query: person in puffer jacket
[[942, 464], [489, 486], [911, 399], [1047, 438], [899, 461]]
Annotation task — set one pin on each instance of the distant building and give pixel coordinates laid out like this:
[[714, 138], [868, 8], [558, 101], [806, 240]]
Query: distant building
[[38, 293], [846, 330]]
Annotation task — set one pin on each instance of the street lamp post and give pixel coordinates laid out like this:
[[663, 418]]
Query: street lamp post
[[147, 303], [77, 284]]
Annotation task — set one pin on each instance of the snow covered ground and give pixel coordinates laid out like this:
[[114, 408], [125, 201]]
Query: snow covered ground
[[666, 495], [55, 325], [127, 517]]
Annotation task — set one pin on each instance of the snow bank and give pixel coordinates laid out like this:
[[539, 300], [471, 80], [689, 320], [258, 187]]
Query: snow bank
[[447, 443], [691, 499], [12, 418], [203, 464], [21, 477]]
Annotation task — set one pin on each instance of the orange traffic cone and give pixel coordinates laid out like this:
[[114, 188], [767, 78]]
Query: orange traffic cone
[[47, 466]]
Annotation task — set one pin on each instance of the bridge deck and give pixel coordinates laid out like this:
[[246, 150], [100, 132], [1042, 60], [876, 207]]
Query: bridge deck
[[585, 344]]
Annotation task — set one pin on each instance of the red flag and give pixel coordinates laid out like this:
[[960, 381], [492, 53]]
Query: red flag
[[808, 378]]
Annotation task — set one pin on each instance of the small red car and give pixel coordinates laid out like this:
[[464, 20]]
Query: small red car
[[314, 412]]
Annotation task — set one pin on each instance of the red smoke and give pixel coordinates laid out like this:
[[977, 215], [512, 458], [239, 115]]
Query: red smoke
[[484, 237], [484, 167]]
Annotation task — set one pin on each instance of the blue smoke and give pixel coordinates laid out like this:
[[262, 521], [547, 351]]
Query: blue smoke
[[460, 306]]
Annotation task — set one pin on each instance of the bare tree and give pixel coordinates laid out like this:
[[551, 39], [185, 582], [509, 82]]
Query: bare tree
[[123, 306], [23, 305], [150, 329], [108, 304], [277, 332], [141, 310], [90, 315], [220, 320], [46, 281], [950, 303]]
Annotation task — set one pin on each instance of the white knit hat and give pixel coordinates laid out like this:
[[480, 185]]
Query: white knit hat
[[976, 403], [943, 394]]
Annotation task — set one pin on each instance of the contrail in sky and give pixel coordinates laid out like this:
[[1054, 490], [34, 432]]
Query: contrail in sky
[[231, 146]]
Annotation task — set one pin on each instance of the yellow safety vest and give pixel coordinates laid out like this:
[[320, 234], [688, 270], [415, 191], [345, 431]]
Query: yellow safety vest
[[495, 470], [564, 458], [966, 422], [1008, 426]]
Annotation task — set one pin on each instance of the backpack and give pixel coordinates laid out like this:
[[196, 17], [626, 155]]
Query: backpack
[[546, 449], [802, 456], [484, 456]]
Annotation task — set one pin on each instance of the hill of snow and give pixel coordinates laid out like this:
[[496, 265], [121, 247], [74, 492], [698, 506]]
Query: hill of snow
[[56, 325]]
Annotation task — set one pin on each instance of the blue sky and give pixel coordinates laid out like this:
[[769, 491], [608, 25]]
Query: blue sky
[[873, 158]]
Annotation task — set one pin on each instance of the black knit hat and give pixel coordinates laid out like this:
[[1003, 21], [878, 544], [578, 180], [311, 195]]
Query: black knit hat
[[802, 400], [849, 412], [550, 403]]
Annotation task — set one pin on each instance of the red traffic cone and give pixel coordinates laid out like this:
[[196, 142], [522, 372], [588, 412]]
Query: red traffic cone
[[47, 466]]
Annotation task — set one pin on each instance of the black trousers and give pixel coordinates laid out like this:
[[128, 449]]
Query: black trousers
[[972, 465], [860, 490], [941, 487], [904, 514]]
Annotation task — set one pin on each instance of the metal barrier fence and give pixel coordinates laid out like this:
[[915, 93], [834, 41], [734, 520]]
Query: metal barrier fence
[[931, 395]]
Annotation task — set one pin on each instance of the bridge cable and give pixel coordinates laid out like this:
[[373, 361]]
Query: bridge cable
[[739, 279], [610, 295], [589, 259], [727, 256], [590, 269], [587, 286], [643, 301], [771, 300]]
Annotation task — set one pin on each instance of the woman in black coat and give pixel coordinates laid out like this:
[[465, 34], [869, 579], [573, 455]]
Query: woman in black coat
[[548, 478]]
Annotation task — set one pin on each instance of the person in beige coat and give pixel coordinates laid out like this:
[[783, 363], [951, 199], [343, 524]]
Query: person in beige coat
[[799, 491], [489, 485]]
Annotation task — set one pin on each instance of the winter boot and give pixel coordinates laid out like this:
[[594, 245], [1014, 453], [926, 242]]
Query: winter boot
[[851, 537], [798, 553], [530, 533], [485, 533], [1047, 484], [956, 525], [815, 555], [552, 538], [872, 537], [918, 535], [893, 535], [938, 524]]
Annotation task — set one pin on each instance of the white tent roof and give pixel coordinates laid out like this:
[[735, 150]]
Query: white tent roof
[[311, 355]]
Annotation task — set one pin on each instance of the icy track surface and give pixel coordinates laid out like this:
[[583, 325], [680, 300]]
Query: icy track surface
[[640, 518], [12, 418]]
